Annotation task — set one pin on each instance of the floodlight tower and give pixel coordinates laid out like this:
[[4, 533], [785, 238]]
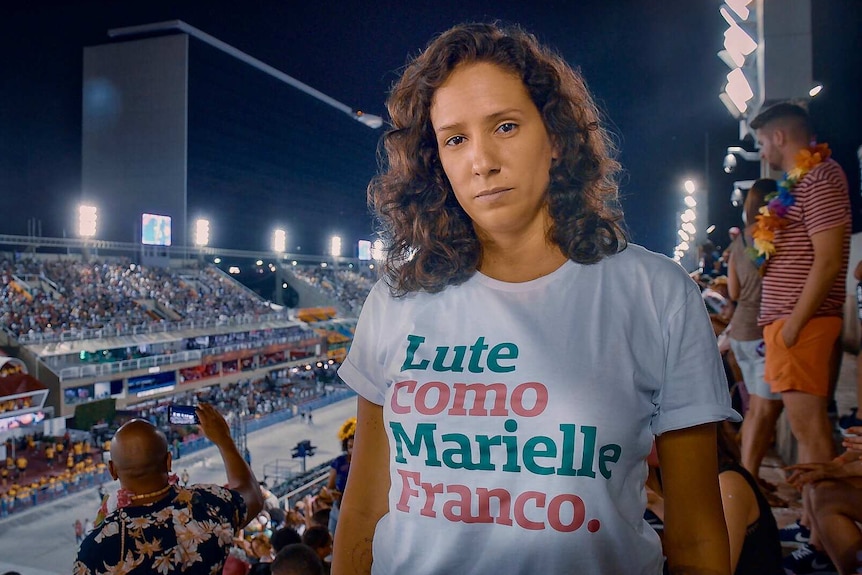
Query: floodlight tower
[[201, 237], [279, 246], [88, 216], [767, 46], [687, 231], [335, 249]]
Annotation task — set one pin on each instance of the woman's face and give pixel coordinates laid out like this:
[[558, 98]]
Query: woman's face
[[495, 150]]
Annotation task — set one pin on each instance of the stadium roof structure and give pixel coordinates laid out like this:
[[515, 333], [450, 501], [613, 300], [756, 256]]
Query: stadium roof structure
[[20, 385]]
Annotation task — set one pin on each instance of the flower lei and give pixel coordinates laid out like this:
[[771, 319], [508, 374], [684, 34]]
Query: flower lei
[[773, 216], [125, 498]]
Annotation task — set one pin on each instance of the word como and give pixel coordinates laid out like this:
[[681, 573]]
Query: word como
[[528, 399]]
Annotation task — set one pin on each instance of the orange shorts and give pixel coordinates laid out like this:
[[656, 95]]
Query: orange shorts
[[804, 367]]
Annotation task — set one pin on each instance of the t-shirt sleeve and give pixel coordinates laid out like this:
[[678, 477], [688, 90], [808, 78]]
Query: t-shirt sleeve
[[826, 199], [363, 368], [694, 390]]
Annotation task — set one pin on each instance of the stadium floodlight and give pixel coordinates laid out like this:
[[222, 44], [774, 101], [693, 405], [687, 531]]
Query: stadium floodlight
[[740, 7], [335, 246], [815, 90], [690, 214], [202, 232], [683, 235], [689, 187], [690, 201], [740, 54], [377, 252], [737, 42], [738, 90], [279, 241], [87, 218], [689, 228], [710, 229]]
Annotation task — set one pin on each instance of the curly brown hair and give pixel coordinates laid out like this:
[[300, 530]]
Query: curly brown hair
[[430, 240]]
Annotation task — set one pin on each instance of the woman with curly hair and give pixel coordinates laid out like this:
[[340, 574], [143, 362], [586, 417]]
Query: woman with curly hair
[[519, 356]]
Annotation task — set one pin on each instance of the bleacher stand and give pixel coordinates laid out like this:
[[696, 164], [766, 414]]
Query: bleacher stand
[[50, 297]]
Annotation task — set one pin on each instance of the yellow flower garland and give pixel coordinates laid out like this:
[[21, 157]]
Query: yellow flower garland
[[348, 429]]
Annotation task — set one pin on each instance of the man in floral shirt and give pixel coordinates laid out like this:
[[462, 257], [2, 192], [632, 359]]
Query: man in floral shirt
[[159, 527]]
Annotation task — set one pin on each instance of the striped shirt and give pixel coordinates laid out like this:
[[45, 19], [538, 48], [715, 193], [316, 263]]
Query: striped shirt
[[822, 203]]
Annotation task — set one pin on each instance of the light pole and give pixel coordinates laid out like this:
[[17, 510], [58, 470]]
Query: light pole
[[364, 118]]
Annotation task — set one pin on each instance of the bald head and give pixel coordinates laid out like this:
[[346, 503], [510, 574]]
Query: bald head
[[139, 450]]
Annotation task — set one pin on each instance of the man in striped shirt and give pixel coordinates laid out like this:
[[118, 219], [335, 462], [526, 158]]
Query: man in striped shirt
[[803, 286]]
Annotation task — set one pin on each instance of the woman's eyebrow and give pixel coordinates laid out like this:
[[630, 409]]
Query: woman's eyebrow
[[489, 118]]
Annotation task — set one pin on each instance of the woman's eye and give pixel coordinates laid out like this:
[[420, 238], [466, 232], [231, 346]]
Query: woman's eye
[[507, 127], [455, 141]]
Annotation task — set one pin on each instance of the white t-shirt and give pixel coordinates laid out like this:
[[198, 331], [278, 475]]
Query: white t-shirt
[[578, 370]]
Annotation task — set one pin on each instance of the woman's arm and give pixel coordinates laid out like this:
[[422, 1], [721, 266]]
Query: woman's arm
[[740, 511], [695, 535], [367, 499]]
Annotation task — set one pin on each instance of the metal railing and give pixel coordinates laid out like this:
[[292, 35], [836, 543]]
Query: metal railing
[[150, 328], [106, 369]]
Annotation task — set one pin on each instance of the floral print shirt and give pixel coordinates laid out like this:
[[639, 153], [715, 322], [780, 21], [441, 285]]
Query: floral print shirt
[[188, 531]]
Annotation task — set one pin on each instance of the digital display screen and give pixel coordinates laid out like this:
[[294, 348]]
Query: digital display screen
[[182, 415], [150, 384], [9, 423], [364, 250], [155, 230]]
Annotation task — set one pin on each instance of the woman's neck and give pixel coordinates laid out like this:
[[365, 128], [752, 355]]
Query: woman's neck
[[520, 263]]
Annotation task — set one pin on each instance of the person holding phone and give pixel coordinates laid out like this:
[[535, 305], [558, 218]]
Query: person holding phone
[[161, 527]]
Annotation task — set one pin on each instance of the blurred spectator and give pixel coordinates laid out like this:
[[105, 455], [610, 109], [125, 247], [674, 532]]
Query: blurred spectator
[[832, 503], [297, 559]]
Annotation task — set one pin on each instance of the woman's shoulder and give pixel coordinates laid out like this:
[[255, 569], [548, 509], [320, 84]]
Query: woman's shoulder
[[734, 483], [646, 267]]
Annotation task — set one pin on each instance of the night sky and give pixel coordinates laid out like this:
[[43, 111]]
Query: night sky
[[262, 154]]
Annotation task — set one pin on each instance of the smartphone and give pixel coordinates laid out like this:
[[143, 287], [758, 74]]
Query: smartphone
[[182, 415]]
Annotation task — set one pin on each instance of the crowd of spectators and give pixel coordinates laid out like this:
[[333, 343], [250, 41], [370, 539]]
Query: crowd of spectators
[[44, 297], [348, 287], [44, 468], [248, 398]]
